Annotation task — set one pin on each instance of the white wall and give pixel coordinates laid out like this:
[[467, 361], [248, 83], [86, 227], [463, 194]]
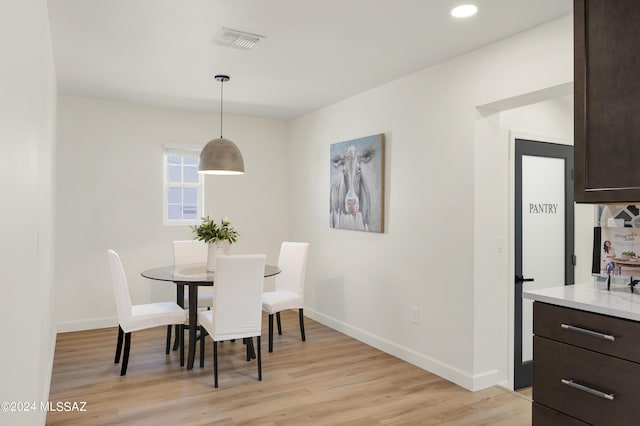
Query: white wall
[[445, 209], [110, 196], [27, 117]]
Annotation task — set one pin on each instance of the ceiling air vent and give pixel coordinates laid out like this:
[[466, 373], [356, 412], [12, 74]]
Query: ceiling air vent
[[236, 39]]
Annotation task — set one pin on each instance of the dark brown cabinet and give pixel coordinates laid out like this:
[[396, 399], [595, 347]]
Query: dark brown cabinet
[[607, 101], [586, 368]]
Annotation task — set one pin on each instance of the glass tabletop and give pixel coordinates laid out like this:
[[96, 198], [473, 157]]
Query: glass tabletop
[[192, 273]]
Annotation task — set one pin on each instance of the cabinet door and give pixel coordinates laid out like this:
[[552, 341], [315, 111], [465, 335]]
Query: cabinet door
[[543, 416], [607, 100], [595, 388]]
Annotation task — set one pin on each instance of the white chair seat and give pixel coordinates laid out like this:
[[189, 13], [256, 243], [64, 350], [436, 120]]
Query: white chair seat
[[153, 315], [207, 321], [205, 298], [279, 300]]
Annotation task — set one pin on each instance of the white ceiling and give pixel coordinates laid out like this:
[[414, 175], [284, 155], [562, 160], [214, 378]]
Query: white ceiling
[[316, 52]]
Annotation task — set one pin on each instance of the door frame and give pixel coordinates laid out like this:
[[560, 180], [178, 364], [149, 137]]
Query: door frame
[[536, 147], [511, 135]]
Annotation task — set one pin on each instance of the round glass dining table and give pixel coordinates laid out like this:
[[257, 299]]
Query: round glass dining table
[[192, 275]]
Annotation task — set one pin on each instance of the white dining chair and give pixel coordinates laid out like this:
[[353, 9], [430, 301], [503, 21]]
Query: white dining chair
[[192, 251], [138, 317], [289, 286], [237, 312], [186, 252]]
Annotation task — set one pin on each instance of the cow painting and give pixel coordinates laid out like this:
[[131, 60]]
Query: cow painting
[[356, 196]]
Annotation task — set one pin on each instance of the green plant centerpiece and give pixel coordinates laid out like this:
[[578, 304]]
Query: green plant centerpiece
[[219, 237], [210, 232]]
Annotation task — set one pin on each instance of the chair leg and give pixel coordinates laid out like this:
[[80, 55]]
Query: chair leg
[[301, 316], [168, 348], [125, 358], [253, 351], [259, 360], [279, 323], [176, 342], [119, 345], [270, 332], [215, 364], [203, 334], [180, 328]]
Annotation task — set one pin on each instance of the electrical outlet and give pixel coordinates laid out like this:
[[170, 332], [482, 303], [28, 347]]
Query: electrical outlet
[[415, 315]]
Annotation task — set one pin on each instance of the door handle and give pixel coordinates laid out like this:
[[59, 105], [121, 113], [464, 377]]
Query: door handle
[[521, 279]]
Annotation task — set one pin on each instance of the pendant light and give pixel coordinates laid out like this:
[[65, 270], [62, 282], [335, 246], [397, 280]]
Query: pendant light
[[221, 156]]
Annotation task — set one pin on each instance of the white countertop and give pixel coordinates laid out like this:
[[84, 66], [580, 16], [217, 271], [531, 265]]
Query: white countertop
[[592, 297]]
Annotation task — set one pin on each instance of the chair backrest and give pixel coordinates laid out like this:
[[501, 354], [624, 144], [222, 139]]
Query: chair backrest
[[120, 288], [238, 283], [293, 263], [189, 251]]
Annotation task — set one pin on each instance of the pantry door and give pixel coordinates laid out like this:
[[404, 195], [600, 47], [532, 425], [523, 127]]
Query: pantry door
[[544, 255]]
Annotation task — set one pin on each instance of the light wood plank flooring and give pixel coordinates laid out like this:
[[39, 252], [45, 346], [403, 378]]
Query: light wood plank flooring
[[330, 379], [526, 393]]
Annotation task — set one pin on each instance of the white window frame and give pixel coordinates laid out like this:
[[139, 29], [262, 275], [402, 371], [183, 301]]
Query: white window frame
[[180, 150]]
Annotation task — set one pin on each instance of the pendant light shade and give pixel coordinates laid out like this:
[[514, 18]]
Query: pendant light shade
[[221, 156]]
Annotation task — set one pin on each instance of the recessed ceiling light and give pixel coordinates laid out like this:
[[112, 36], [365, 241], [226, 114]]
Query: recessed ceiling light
[[464, 11]]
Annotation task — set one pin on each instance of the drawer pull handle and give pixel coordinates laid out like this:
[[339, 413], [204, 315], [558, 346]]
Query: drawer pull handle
[[609, 337], [587, 389]]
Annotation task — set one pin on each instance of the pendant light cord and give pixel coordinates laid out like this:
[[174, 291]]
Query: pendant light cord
[[221, 85], [221, 78]]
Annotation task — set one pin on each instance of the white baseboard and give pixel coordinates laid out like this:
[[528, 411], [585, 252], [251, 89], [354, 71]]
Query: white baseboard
[[486, 380], [446, 371], [505, 384], [90, 324]]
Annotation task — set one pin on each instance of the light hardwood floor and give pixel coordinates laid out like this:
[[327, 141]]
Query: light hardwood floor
[[527, 393], [330, 379]]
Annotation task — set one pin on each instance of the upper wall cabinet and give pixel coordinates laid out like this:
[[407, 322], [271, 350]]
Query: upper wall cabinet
[[607, 100]]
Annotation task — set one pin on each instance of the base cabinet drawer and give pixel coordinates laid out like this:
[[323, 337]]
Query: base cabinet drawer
[[543, 416], [608, 335], [589, 386]]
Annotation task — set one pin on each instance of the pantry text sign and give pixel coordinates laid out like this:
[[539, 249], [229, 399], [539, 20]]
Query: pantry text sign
[[540, 208]]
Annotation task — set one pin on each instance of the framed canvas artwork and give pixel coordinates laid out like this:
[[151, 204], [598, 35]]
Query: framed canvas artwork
[[356, 196]]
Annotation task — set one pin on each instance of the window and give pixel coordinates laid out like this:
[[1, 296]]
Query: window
[[183, 186]]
